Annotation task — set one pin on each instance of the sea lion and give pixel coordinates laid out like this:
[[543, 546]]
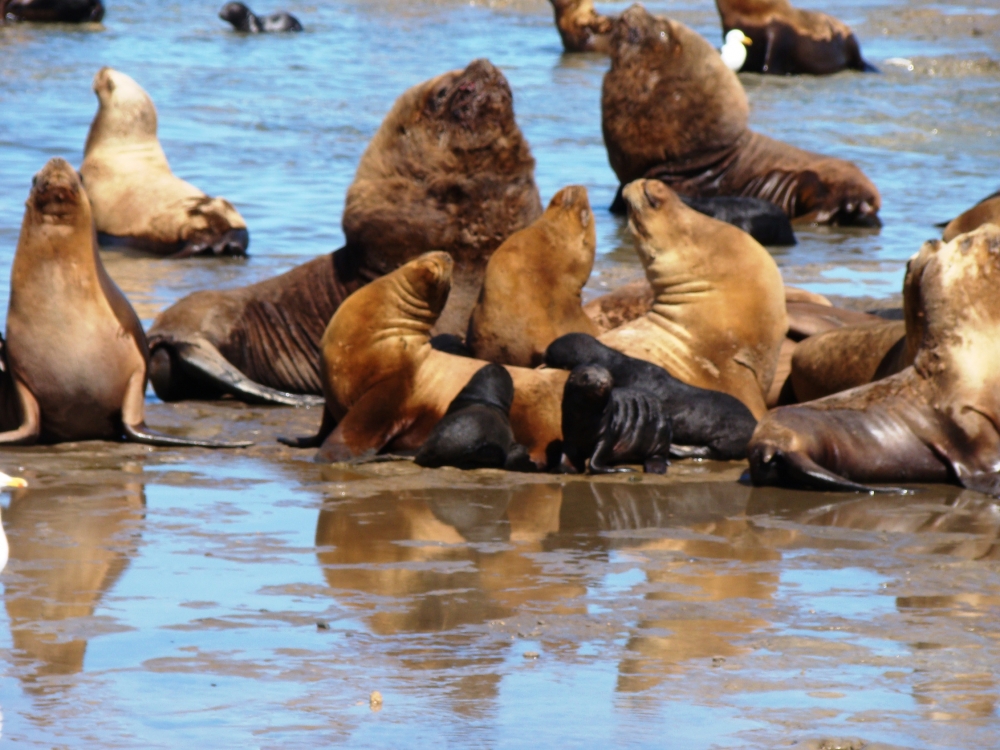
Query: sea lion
[[52, 11], [386, 387], [604, 425], [243, 19], [531, 291], [448, 169], [706, 424], [581, 27], [719, 316], [475, 432], [935, 421], [75, 348], [137, 201], [986, 211], [761, 219], [788, 41], [672, 110]]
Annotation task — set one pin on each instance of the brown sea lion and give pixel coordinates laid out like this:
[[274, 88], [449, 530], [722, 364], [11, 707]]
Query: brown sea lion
[[137, 201], [671, 109], [937, 420], [789, 41], [719, 316], [386, 387], [531, 292], [52, 11], [986, 211], [581, 27], [448, 169], [75, 348]]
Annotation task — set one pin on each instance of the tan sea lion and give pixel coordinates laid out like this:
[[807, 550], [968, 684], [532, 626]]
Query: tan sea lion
[[386, 387], [719, 316], [448, 169], [937, 420], [789, 41], [986, 211], [581, 27], [75, 348], [531, 292], [672, 110], [137, 201]]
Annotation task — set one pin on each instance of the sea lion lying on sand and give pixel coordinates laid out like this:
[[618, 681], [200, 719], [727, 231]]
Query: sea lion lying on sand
[[448, 169], [582, 28], [75, 348], [52, 11], [986, 211], [935, 421], [789, 41], [137, 200], [672, 110]]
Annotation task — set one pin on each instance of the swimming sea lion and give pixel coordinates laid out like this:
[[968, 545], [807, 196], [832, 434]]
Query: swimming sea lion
[[719, 316], [937, 420], [137, 201], [706, 424], [531, 292], [448, 169], [52, 11], [75, 348], [604, 426], [789, 41], [581, 27], [386, 387], [672, 110], [243, 19], [986, 211], [475, 432]]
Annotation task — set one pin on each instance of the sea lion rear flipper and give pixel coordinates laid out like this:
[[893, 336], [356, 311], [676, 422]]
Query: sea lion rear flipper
[[797, 470], [30, 429], [139, 433]]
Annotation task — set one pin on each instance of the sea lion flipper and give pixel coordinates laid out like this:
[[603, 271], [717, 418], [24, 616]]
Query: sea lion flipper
[[139, 433], [796, 469], [369, 425], [28, 432], [690, 451], [312, 441]]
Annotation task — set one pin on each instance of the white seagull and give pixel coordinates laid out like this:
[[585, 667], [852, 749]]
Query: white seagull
[[734, 51], [6, 481]]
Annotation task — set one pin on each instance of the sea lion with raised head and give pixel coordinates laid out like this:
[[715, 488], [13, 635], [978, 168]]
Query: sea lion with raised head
[[52, 11], [386, 387], [705, 423], [475, 432], [243, 19], [984, 212], [581, 27], [532, 290], [448, 169], [137, 201], [787, 41], [74, 346], [672, 110], [719, 317], [938, 420]]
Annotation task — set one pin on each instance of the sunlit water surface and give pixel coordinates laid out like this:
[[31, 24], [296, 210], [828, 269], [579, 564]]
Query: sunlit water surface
[[171, 598]]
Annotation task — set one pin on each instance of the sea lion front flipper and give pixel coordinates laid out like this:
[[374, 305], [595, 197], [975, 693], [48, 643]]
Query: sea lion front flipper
[[312, 441], [30, 429], [369, 425], [602, 452]]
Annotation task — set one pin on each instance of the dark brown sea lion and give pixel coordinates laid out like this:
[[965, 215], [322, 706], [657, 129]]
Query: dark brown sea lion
[[937, 420], [52, 11], [75, 348], [137, 201], [789, 41], [986, 211], [581, 27], [386, 387], [448, 169], [672, 110], [243, 19], [531, 292]]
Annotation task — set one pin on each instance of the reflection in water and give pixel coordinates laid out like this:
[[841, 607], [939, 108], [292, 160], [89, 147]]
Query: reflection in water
[[68, 547]]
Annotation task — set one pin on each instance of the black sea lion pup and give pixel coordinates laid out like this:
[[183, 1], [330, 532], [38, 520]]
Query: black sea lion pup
[[243, 19], [475, 432], [762, 220], [76, 349], [707, 424], [604, 425], [52, 11]]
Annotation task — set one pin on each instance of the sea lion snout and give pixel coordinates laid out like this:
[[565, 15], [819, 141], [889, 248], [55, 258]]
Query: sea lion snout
[[480, 91], [55, 189], [591, 382]]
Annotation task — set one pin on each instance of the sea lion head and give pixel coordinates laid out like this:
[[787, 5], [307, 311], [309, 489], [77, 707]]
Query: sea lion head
[[570, 213], [492, 386], [668, 97], [57, 197], [652, 214], [236, 13], [125, 111]]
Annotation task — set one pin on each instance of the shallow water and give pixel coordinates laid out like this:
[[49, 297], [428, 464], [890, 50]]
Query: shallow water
[[171, 598]]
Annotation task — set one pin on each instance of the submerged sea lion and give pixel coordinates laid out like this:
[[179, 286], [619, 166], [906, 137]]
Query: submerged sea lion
[[761, 219], [986, 211], [604, 425], [531, 292], [475, 432], [75, 348], [789, 41], [137, 200], [581, 27], [672, 110], [935, 421], [243, 19], [52, 11], [386, 387], [719, 315], [706, 424], [448, 169]]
